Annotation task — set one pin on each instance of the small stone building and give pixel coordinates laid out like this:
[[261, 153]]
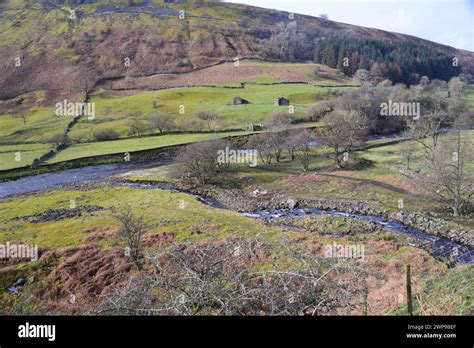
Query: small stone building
[[281, 101], [255, 127], [240, 101]]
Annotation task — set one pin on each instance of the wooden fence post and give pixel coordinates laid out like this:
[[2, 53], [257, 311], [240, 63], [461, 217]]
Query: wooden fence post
[[409, 298]]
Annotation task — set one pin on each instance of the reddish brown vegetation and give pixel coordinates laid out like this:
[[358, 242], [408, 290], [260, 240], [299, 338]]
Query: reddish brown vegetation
[[84, 274]]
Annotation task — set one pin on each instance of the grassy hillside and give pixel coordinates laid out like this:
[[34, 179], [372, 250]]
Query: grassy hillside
[[39, 126], [94, 43], [232, 74], [174, 217], [115, 109], [116, 112]]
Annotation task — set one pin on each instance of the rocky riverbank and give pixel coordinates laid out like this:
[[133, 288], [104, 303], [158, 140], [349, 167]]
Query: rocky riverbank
[[237, 200], [435, 226]]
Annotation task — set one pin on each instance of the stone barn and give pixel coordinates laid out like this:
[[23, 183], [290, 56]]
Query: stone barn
[[255, 127], [240, 101], [281, 101]]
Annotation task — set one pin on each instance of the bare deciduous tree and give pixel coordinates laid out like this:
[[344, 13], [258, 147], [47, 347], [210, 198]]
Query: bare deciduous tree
[[456, 87], [445, 172], [428, 127], [278, 119], [346, 129], [22, 116], [287, 43], [315, 112], [264, 147], [300, 142], [276, 141], [105, 134], [162, 121], [209, 117], [408, 152], [138, 127], [197, 164], [363, 77], [291, 143], [60, 139], [465, 120]]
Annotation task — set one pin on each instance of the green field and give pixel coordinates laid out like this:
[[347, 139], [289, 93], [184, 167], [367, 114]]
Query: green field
[[73, 232], [133, 144], [145, 143], [116, 112], [27, 153]]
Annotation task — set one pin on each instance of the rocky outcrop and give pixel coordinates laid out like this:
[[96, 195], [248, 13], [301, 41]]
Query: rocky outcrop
[[59, 214], [236, 200]]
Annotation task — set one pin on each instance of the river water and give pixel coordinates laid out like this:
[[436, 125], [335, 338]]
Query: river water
[[440, 247]]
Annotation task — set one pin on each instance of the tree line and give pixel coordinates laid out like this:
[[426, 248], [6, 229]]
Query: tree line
[[399, 61]]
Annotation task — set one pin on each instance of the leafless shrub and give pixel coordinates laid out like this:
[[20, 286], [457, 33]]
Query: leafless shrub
[[138, 127], [465, 120], [315, 112], [60, 139], [278, 119], [210, 117], [319, 73], [217, 278], [132, 229], [105, 134]]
